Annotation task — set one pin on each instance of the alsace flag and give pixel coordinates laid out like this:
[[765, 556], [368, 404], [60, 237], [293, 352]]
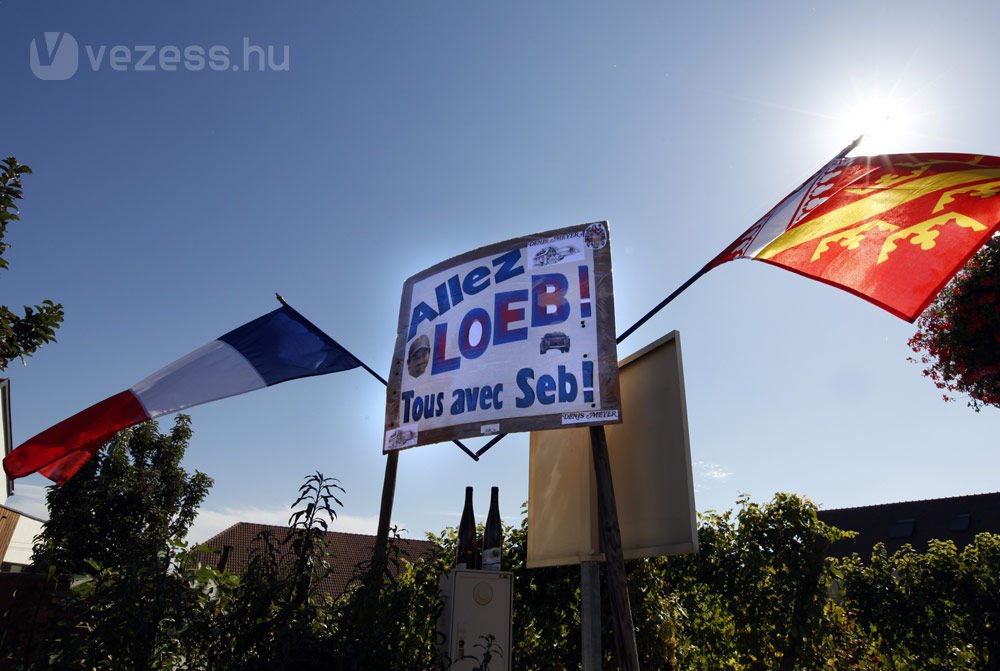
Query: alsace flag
[[890, 229], [280, 346]]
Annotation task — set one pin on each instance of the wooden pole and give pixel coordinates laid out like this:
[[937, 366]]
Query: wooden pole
[[611, 544], [379, 558], [590, 614]]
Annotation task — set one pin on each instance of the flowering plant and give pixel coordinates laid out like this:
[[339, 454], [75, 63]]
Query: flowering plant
[[958, 335]]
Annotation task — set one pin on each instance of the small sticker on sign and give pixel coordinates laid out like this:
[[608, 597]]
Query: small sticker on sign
[[488, 429], [402, 437], [590, 416], [560, 249], [596, 236]]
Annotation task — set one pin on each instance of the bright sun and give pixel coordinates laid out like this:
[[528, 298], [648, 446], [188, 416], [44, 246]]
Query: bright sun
[[890, 121]]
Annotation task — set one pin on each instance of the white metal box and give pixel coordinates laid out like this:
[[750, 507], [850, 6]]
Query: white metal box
[[477, 604]]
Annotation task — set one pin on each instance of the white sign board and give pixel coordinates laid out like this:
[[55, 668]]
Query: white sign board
[[515, 336]]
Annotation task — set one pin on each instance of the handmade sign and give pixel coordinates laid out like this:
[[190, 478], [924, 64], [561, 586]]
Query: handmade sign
[[516, 336]]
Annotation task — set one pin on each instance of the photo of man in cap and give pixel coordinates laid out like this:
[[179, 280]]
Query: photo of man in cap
[[418, 356]]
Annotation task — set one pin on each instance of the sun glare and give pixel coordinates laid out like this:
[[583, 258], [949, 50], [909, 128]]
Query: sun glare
[[885, 123], [890, 121]]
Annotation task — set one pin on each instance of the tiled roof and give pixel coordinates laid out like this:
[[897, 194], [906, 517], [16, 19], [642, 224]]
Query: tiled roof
[[956, 518], [345, 551]]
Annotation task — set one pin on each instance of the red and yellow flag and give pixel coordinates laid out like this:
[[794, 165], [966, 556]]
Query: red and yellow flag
[[890, 229]]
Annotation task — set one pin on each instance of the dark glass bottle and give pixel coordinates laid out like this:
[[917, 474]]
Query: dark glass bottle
[[468, 553], [493, 534]]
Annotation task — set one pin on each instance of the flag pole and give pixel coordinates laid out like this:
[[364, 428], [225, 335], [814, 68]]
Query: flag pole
[[662, 304], [711, 264]]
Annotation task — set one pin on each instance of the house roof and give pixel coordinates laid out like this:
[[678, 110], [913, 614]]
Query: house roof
[[956, 518], [345, 551], [8, 523], [17, 533], [4, 508]]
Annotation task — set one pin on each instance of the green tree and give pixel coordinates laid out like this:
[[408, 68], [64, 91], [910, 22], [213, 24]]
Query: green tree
[[958, 335], [112, 546], [755, 595], [980, 592], [125, 505], [759, 595], [20, 336], [938, 609]]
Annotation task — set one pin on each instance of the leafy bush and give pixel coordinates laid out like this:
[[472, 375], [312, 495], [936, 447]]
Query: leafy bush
[[760, 595]]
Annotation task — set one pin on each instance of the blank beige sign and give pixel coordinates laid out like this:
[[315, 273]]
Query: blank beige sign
[[650, 466]]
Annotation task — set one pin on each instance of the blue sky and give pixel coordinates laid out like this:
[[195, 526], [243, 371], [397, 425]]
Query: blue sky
[[168, 206]]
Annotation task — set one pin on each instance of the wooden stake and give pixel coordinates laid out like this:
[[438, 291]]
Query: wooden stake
[[611, 544], [590, 614], [379, 558]]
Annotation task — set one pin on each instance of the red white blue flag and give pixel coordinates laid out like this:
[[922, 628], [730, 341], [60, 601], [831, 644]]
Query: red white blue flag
[[279, 346]]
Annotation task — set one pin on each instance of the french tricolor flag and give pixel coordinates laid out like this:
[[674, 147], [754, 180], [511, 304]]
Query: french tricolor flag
[[282, 345]]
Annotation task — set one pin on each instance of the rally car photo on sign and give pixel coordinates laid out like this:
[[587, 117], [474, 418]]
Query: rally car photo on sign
[[555, 340], [550, 254]]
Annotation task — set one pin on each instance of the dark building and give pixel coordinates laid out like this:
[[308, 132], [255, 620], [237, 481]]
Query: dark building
[[345, 551], [957, 518]]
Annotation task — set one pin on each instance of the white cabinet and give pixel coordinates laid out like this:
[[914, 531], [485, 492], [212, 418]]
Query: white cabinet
[[477, 604]]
